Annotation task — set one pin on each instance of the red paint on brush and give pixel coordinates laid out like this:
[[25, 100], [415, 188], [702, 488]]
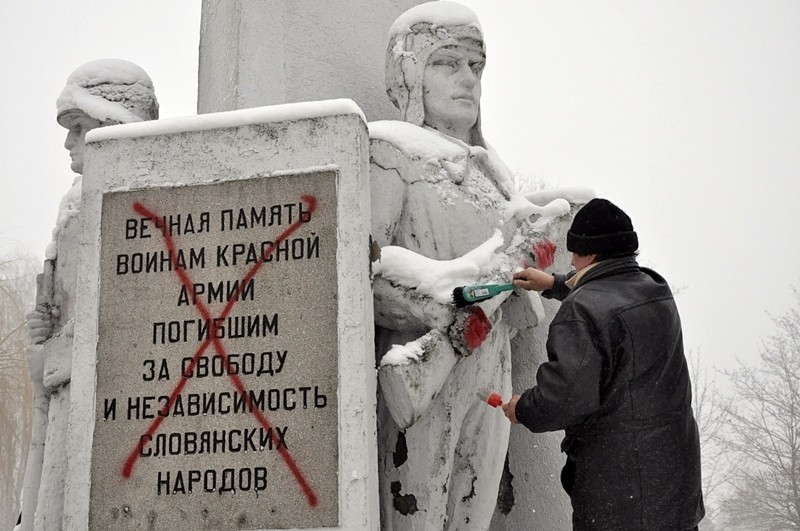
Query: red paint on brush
[[544, 251], [476, 328], [494, 399]]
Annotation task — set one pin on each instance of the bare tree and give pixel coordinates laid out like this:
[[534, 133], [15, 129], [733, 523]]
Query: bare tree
[[17, 283], [711, 412], [527, 181], [763, 434]]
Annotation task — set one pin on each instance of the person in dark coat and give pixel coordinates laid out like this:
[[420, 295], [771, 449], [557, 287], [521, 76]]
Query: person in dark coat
[[617, 382]]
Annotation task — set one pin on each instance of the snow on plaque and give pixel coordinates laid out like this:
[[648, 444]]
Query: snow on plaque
[[216, 401]]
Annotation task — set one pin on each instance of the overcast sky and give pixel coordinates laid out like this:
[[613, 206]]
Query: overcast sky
[[685, 113]]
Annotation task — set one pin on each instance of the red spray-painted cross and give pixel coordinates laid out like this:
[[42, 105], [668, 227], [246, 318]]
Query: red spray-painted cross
[[127, 469]]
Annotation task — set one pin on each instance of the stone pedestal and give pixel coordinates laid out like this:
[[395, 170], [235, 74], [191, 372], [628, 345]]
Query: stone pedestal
[[223, 361], [255, 53]]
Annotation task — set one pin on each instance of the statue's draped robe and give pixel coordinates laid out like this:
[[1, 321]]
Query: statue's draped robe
[[443, 472], [51, 369]]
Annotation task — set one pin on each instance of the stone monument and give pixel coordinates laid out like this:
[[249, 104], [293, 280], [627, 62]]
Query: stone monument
[[99, 93], [224, 400], [446, 214], [223, 312]]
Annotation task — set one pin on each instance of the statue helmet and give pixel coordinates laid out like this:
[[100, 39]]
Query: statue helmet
[[413, 37], [109, 90]]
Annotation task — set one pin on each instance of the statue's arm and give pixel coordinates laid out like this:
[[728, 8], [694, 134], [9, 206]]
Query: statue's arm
[[398, 307], [40, 323], [403, 308]]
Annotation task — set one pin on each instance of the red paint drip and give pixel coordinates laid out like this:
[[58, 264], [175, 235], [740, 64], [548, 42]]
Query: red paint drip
[[476, 328], [543, 252], [183, 277]]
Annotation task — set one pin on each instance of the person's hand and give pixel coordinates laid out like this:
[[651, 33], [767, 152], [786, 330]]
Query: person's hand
[[510, 409], [533, 279], [40, 324]]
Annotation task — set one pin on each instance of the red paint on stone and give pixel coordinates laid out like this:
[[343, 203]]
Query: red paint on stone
[[183, 277], [544, 252], [476, 328]]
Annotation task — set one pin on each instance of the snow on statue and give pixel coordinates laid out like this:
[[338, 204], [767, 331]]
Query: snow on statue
[[445, 213], [98, 93]]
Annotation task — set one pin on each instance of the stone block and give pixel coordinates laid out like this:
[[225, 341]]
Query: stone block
[[223, 363]]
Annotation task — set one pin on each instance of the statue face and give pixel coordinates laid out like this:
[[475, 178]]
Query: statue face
[[79, 123], [451, 88]]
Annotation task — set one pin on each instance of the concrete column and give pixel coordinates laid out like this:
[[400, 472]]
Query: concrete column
[[257, 52]]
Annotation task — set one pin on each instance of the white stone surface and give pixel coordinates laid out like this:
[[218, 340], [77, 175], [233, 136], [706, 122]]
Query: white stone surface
[[121, 161], [225, 120], [255, 53]]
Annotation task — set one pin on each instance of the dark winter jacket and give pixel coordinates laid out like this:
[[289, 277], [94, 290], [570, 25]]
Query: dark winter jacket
[[618, 383]]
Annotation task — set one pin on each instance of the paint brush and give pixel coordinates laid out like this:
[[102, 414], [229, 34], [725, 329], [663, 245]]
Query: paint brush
[[493, 399], [466, 295]]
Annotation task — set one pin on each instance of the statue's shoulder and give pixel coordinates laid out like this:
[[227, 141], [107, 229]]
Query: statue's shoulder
[[416, 153]]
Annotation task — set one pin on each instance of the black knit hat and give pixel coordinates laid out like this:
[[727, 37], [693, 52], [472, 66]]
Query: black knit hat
[[601, 227]]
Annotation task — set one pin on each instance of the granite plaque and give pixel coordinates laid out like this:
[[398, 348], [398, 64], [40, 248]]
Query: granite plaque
[[217, 356]]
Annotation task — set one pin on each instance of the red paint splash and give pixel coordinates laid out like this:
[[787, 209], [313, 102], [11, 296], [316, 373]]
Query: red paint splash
[[543, 253], [184, 278], [476, 328]]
